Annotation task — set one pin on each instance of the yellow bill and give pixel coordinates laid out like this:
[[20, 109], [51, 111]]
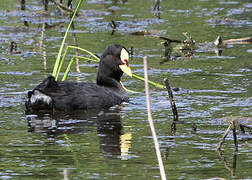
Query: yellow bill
[[126, 69]]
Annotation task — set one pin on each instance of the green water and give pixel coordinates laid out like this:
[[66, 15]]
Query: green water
[[212, 88]]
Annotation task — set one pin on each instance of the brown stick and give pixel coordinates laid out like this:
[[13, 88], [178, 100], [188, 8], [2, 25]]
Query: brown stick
[[242, 126], [234, 123], [226, 164], [173, 105], [245, 40], [223, 137], [169, 40]]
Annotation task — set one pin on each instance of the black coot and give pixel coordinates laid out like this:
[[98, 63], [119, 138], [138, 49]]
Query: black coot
[[68, 96]]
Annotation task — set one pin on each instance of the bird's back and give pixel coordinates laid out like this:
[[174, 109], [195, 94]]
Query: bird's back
[[70, 96]]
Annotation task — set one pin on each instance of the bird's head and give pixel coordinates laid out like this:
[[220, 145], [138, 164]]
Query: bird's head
[[113, 63]]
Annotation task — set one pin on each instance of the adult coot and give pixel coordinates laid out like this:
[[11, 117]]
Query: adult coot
[[69, 96]]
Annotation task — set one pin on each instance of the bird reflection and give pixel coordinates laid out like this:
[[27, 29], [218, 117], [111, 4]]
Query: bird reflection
[[109, 130], [113, 139]]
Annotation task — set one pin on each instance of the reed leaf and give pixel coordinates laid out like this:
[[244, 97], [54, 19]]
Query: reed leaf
[[96, 59], [71, 62], [59, 62], [160, 86]]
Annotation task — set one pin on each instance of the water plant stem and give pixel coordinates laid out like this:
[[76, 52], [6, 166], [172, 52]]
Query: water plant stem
[[160, 162], [96, 59], [150, 82], [232, 125], [172, 102], [56, 65], [71, 62]]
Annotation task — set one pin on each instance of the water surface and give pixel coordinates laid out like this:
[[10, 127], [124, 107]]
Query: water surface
[[117, 143]]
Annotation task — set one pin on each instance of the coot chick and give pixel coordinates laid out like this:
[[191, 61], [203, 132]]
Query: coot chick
[[51, 95]]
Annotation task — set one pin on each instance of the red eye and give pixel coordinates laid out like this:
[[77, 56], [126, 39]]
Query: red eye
[[126, 62]]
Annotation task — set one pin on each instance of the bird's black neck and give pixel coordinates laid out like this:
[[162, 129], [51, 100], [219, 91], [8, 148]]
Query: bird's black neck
[[108, 82], [109, 73], [108, 78]]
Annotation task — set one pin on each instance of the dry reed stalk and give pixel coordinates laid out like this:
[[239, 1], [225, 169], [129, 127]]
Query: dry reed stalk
[[160, 162]]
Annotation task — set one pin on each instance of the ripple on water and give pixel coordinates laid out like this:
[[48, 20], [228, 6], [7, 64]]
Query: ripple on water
[[174, 71], [17, 73], [124, 26], [44, 145]]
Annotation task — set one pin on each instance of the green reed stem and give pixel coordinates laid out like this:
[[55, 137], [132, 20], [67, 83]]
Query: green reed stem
[[81, 49], [150, 82], [68, 69], [56, 65], [61, 63], [97, 60], [71, 62], [84, 50]]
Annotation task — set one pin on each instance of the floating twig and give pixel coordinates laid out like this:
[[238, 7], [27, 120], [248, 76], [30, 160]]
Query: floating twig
[[169, 40], [243, 126], [245, 40], [160, 162]]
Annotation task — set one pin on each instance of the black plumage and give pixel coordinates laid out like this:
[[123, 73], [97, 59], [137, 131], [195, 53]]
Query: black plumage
[[69, 96]]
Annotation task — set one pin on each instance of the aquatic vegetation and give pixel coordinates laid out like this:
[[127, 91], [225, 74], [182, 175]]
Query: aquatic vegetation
[[56, 68], [59, 61]]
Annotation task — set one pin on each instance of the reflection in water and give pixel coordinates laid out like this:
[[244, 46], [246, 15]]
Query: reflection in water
[[172, 133], [113, 142], [226, 165]]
